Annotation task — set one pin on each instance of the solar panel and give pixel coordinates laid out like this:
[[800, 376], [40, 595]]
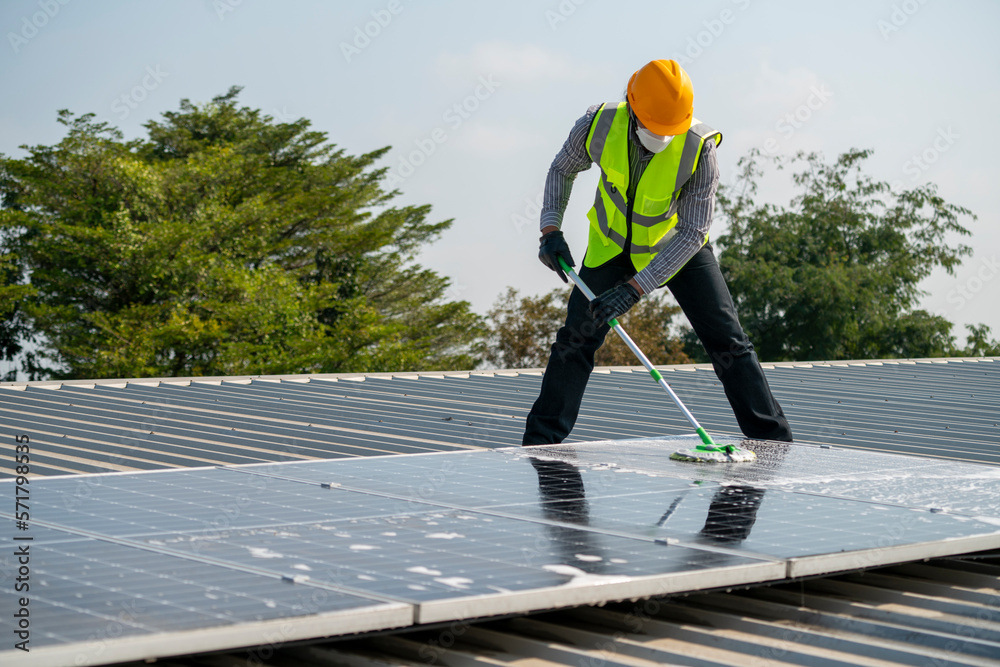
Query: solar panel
[[216, 556], [905, 481], [804, 501], [93, 601], [199, 501]]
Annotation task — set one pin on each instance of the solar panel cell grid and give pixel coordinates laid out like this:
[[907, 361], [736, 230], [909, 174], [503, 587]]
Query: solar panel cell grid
[[394, 540]]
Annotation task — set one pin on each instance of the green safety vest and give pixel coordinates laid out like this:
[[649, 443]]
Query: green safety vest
[[654, 214]]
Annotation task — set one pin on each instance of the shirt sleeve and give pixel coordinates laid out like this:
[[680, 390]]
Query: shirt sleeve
[[694, 218], [571, 159]]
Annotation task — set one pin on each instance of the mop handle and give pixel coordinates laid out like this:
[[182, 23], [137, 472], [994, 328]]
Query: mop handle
[[705, 437]]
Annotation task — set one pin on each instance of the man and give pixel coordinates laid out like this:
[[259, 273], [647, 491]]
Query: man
[[648, 229]]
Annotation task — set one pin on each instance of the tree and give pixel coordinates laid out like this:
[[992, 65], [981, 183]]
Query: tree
[[13, 328], [979, 344], [650, 325], [521, 330], [224, 243], [835, 275]]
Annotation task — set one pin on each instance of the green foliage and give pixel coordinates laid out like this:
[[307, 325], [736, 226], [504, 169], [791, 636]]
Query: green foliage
[[978, 343], [650, 325], [13, 327], [224, 243], [521, 331], [835, 275]]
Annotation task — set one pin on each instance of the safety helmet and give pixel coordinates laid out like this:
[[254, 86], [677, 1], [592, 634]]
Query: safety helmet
[[661, 96]]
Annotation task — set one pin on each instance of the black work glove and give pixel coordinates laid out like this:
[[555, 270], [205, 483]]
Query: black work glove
[[614, 303], [553, 245]]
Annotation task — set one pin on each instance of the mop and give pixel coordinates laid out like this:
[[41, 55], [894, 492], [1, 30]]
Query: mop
[[706, 452]]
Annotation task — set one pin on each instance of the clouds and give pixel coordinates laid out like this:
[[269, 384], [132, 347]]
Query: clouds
[[773, 93], [423, 84], [511, 63], [493, 140], [520, 70], [780, 110]]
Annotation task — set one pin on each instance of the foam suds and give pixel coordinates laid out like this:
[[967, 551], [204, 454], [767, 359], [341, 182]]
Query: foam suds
[[261, 552]]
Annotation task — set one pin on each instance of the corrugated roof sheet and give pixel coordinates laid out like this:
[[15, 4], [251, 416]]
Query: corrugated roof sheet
[[216, 557], [943, 613], [938, 408]]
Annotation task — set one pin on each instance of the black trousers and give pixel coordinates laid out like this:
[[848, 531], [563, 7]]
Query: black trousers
[[702, 294]]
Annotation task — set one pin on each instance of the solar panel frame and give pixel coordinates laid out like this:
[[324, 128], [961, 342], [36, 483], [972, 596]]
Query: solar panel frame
[[413, 404]]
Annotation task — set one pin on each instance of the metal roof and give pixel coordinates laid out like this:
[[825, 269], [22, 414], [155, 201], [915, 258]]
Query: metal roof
[[942, 612], [937, 407], [212, 558], [939, 613]]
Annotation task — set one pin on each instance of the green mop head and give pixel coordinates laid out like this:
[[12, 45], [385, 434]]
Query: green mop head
[[715, 454]]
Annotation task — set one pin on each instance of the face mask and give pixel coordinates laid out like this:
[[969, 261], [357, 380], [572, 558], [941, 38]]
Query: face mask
[[654, 143]]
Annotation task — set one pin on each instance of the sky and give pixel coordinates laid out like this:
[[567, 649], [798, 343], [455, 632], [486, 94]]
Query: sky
[[476, 98]]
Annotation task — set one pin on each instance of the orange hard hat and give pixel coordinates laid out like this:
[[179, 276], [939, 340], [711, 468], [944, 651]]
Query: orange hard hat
[[661, 96]]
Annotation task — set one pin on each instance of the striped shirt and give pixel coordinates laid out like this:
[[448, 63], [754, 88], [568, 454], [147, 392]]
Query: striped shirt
[[695, 203]]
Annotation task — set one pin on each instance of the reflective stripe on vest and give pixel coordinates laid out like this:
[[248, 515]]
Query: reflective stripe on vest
[[655, 215]]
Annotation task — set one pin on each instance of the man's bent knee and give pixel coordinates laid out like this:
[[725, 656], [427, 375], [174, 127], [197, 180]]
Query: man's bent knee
[[725, 359]]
